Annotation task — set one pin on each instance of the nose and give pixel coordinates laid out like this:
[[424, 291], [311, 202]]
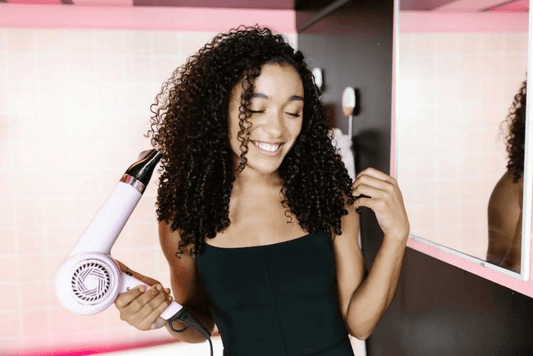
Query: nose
[[274, 124]]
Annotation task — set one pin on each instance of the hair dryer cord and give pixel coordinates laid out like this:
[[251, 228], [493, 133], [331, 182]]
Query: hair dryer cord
[[187, 319]]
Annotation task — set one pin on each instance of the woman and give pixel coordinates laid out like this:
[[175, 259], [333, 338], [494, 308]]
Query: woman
[[505, 203], [257, 212]]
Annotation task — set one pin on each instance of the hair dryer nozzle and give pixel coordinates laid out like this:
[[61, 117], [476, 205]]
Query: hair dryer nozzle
[[142, 169]]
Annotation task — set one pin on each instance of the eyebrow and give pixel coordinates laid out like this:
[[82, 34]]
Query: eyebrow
[[264, 96]]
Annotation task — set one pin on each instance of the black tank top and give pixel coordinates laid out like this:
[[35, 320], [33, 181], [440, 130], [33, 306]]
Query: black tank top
[[274, 300]]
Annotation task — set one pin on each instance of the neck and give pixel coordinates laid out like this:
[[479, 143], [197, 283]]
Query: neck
[[250, 183]]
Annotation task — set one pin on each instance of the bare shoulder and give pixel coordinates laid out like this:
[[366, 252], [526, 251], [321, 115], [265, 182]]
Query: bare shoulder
[[506, 191]]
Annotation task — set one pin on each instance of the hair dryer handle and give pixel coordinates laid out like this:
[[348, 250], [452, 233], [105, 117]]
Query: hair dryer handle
[[129, 282]]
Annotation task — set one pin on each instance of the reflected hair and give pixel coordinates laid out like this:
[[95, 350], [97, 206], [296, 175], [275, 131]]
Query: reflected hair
[[515, 138]]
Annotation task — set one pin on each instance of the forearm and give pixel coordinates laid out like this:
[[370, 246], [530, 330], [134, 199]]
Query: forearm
[[370, 300]]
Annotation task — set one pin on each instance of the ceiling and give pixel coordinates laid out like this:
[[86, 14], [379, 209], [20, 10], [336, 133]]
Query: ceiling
[[405, 5], [465, 5]]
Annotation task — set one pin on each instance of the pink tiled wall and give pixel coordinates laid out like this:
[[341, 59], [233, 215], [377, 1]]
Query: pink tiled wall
[[74, 105], [454, 91]]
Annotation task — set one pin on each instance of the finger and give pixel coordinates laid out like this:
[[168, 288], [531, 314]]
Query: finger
[[139, 305], [125, 299], [154, 315], [363, 190], [153, 305], [377, 206], [372, 172]]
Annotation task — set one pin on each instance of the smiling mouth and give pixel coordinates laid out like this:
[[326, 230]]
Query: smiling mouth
[[267, 148]]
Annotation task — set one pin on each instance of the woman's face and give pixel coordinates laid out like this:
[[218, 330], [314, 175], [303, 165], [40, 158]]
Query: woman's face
[[277, 107]]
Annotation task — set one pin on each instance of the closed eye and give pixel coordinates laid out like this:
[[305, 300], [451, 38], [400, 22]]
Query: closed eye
[[293, 114], [257, 111]]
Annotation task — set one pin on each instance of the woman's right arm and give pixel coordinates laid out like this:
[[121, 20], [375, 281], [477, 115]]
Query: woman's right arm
[[185, 285]]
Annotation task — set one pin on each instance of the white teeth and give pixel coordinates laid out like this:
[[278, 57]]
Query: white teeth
[[267, 146]]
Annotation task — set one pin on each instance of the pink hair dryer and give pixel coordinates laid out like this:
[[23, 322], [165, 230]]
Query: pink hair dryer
[[89, 280]]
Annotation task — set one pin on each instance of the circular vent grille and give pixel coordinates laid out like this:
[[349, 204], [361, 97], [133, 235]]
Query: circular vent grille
[[90, 282]]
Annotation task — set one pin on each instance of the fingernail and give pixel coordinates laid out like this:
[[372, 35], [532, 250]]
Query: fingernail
[[142, 288], [159, 287], [170, 297], [167, 290]]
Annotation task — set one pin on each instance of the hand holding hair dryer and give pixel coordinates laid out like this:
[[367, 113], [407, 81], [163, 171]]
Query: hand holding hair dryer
[[89, 280]]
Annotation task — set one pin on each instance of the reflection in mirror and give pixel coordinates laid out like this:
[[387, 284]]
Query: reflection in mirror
[[506, 200], [460, 64]]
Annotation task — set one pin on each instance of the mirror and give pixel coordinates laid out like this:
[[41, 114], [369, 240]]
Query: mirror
[[459, 66]]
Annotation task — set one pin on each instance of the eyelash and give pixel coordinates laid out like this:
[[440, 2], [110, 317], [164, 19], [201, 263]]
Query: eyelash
[[262, 111]]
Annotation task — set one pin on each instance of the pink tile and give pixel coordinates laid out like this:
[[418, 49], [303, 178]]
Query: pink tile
[[86, 155], [27, 155], [32, 267], [516, 42], [86, 208], [144, 235], [31, 240], [108, 98], [57, 211], [446, 43], [139, 96], [7, 216], [50, 40], [7, 241], [9, 298], [110, 42], [3, 71], [516, 65], [80, 41], [29, 212], [166, 42], [27, 185], [21, 67], [145, 262], [447, 66], [5, 155], [137, 42], [6, 182], [51, 68], [10, 324], [110, 69], [9, 263], [164, 66], [11, 345], [85, 100], [139, 69], [54, 97], [60, 238], [35, 322], [34, 295], [20, 39], [25, 126], [57, 184], [448, 214], [116, 155], [82, 68], [15, 102], [85, 183]]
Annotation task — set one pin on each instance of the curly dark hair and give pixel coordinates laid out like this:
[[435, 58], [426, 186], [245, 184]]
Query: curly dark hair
[[516, 133], [190, 128]]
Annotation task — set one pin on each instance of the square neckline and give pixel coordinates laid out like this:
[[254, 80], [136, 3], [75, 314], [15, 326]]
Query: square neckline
[[267, 246]]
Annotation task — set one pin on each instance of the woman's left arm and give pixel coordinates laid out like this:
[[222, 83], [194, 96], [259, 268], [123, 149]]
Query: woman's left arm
[[364, 300]]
